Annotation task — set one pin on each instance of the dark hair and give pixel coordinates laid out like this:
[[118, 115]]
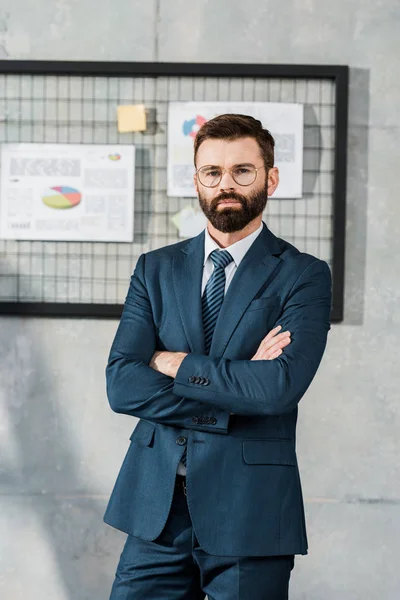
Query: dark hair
[[233, 127]]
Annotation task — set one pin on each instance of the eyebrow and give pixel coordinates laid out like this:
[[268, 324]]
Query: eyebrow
[[236, 165]]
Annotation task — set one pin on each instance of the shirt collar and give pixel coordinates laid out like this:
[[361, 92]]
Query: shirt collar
[[236, 250]]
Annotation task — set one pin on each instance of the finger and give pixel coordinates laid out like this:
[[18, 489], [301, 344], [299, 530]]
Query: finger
[[268, 343], [265, 344], [273, 332], [283, 340], [275, 355], [278, 346], [276, 335]]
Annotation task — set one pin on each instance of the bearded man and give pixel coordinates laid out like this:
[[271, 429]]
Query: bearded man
[[220, 337]]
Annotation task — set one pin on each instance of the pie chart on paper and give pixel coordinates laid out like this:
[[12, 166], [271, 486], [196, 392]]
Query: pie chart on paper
[[61, 197]]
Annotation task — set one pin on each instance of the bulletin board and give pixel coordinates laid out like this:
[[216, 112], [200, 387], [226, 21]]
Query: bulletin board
[[76, 103]]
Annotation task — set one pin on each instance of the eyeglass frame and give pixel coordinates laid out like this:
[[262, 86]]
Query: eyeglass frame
[[223, 171]]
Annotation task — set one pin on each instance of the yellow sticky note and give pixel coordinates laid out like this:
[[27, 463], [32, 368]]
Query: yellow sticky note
[[131, 118]]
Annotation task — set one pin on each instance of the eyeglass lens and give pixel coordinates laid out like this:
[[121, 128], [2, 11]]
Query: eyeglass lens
[[243, 175]]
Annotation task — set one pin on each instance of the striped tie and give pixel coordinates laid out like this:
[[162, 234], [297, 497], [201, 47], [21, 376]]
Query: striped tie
[[212, 299], [213, 295]]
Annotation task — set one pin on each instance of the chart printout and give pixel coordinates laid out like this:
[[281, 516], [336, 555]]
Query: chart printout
[[68, 192]]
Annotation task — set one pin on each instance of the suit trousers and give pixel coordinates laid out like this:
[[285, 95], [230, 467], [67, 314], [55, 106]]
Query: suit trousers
[[175, 567]]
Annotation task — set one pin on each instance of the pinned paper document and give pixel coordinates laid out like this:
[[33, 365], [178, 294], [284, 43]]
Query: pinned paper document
[[131, 118], [189, 221]]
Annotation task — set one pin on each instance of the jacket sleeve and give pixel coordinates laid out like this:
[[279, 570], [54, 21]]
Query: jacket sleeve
[[134, 388], [269, 387]]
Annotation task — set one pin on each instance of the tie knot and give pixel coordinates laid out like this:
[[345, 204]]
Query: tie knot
[[221, 258]]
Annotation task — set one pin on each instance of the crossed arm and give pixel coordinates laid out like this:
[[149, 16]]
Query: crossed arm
[[270, 348], [155, 385]]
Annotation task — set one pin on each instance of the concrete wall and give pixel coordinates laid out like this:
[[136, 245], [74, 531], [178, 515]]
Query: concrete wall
[[62, 446]]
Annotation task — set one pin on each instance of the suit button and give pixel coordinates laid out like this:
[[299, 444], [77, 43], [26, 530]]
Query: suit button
[[195, 419], [213, 421], [191, 379], [181, 441], [197, 379], [206, 381]]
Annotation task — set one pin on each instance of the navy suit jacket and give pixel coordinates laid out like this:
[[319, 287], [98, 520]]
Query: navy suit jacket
[[243, 485]]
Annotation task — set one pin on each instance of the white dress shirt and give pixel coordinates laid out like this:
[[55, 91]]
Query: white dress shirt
[[237, 251]]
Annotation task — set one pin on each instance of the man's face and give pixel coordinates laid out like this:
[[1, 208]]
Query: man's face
[[230, 206]]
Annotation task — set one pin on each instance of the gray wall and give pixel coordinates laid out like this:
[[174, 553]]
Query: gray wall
[[61, 444]]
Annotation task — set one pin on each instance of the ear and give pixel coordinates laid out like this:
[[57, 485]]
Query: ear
[[196, 184], [273, 180]]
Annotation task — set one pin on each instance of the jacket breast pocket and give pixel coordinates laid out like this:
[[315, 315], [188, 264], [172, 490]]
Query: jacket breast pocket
[[269, 452], [270, 302], [143, 433]]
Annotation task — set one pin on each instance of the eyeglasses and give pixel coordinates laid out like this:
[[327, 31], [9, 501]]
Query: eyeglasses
[[210, 176]]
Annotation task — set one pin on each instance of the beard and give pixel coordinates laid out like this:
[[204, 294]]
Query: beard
[[229, 219]]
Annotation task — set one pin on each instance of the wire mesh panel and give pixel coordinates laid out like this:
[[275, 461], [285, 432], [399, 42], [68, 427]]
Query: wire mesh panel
[[92, 278]]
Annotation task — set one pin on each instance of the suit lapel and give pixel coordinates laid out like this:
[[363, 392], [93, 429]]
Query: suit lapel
[[254, 271], [187, 278]]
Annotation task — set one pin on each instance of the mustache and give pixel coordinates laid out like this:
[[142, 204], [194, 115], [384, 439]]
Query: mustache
[[229, 196]]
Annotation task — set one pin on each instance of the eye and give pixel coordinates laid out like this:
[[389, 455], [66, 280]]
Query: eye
[[212, 173], [242, 171]]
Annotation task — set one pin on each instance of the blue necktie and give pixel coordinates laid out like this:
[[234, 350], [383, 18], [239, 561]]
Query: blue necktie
[[213, 295], [212, 299]]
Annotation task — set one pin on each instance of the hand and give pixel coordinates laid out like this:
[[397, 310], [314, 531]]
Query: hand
[[167, 362], [272, 345]]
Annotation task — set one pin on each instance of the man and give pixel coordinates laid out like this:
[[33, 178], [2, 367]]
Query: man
[[219, 339]]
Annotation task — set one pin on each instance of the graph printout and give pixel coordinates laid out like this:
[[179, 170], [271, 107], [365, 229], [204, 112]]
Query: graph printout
[[68, 192], [283, 120]]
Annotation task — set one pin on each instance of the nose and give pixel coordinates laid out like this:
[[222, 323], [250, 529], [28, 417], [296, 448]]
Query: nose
[[227, 182]]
